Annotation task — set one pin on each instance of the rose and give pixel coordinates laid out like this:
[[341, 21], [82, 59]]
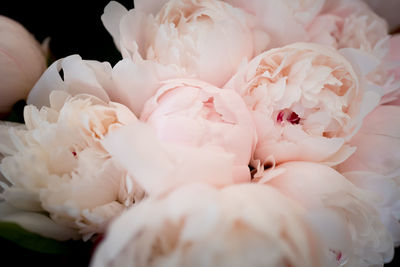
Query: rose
[[59, 166], [197, 225], [306, 100], [22, 61], [197, 114], [207, 39], [356, 235]]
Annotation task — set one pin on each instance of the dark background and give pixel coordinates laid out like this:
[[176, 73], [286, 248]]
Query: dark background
[[74, 27]]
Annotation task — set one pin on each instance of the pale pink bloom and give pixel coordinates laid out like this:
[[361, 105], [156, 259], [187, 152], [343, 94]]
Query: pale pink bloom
[[283, 21], [342, 214], [387, 189], [354, 25], [159, 167], [206, 39], [197, 225], [197, 114], [378, 143], [22, 61], [307, 102], [58, 165]]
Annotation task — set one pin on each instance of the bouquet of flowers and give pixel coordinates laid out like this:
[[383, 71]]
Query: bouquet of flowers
[[231, 133]]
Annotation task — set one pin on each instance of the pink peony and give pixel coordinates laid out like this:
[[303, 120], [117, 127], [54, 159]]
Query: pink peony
[[197, 114], [350, 24], [354, 25], [197, 225], [206, 39], [22, 61], [307, 102], [356, 236], [159, 167]]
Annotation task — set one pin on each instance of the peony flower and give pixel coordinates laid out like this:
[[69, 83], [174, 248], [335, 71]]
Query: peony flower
[[197, 114], [284, 22], [350, 24], [22, 61], [240, 225], [58, 166], [356, 236], [307, 102], [354, 25], [207, 39]]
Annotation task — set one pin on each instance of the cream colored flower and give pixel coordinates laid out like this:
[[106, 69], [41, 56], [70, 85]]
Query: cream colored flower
[[207, 39], [59, 166]]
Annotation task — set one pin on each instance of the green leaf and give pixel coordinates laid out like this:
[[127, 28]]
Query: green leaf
[[31, 241]]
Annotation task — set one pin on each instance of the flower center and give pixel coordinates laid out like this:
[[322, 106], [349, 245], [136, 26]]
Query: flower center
[[289, 116], [340, 259]]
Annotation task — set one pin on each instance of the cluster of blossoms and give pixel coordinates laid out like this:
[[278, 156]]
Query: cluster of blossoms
[[231, 133]]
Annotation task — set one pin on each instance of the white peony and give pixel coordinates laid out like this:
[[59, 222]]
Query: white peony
[[58, 165]]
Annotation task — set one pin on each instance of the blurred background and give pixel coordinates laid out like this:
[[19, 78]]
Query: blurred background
[[74, 27]]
